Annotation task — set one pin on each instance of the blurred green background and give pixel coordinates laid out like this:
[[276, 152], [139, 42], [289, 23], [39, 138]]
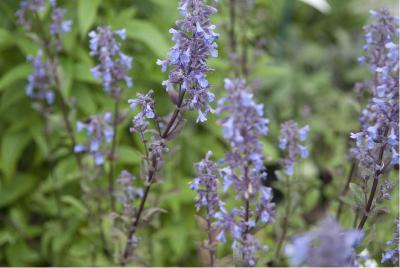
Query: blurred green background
[[301, 63]]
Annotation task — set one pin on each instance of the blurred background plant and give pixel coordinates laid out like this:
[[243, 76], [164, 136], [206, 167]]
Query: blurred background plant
[[299, 58]]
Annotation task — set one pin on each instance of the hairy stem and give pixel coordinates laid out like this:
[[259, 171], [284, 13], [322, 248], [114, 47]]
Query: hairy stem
[[210, 235], [346, 188], [374, 187], [285, 223]]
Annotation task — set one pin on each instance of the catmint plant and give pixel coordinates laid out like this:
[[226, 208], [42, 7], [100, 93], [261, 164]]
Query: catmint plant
[[290, 140], [327, 245], [45, 82], [242, 168], [112, 69], [187, 62], [376, 148]]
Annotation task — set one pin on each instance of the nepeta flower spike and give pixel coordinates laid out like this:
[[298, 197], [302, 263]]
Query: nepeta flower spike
[[290, 142], [380, 119], [100, 134], [40, 82], [195, 43], [243, 128], [114, 65]]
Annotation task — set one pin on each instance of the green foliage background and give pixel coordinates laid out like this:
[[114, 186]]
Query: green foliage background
[[302, 66]]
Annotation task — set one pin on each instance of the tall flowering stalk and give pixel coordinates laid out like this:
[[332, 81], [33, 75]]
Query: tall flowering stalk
[[206, 185], [377, 143], [290, 141], [112, 69], [44, 82], [195, 43], [243, 126]]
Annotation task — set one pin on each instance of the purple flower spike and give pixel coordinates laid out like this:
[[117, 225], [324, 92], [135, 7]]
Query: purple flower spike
[[380, 119], [206, 186], [114, 65], [289, 142], [40, 82], [195, 43], [100, 134]]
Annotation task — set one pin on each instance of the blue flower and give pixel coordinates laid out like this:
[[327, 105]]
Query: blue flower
[[195, 43]]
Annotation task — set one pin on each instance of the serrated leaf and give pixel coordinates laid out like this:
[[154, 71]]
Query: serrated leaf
[[358, 193], [87, 11], [17, 73]]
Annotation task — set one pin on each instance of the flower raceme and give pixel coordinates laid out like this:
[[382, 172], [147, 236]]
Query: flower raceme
[[113, 65], [243, 126], [380, 119], [100, 134], [289, 142], [195, 43], [28, 14]]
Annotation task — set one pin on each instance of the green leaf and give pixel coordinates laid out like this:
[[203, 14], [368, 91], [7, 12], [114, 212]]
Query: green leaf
[[20, 186], [19, 72], [75, 203], [85, 100], [127, 155], [12, 145], [20, 254], [5, 39], [87, 11], [148, 34]]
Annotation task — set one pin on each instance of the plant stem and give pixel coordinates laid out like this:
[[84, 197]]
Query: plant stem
[[374, 184], [151, 179], [112, 154], [210, 236], [285, 222], [346, 188]]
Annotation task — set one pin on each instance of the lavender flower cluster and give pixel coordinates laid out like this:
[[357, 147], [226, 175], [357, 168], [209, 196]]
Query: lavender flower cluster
[[100, 134], [380, 119], [327, 245], [392, 253], [114, 65], [195, 43], [40, 81], [28, 15], [289, 142], [242, 167], [206, 186]]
